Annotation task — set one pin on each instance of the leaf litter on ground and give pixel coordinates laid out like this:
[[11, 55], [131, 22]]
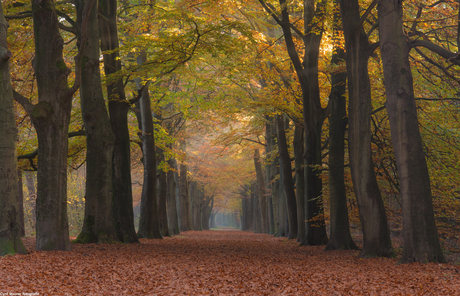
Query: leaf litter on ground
[[218, 263]]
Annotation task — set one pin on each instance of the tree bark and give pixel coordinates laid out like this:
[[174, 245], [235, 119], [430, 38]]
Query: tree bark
[[184, 222], [98, 222], [313, 116], [262, 193], [149, 224], [340, 237], [10, 225], [421, 243], [173, 220], [299, 181], [50, 117], [162, 196], [376, 235], [118, 111], [288, 184]]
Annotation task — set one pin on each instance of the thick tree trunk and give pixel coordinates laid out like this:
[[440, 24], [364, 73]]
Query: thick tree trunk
[[173, 221], [376, 241], [421, 243], [10, 224], [299, 181], [262, 192], [313, 115], [340, 237], [285, 163], [149, 226], [98, 223], [118, 110], [51, 116]]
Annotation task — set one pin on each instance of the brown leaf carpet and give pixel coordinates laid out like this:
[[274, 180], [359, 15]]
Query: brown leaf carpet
[[217, 263]]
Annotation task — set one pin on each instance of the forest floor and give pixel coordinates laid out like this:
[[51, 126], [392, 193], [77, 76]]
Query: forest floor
[[217, 263]]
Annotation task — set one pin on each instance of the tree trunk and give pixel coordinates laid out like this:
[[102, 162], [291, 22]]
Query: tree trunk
[[340, 237], [118, 110], [184, 198], [98, 223], [285, 163], [10, 224], [421, 243], [282, 218], [262, 192], [299, 181], [313, 115], [271, 169], [256, 208], [173, 221], [162, 195], [149, 226], [376, 235], [50, 117]]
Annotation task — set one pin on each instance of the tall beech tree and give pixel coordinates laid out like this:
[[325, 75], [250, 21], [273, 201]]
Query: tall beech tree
[[313, 113], [98, 223], [340, 237], [50, 117], [118, 111], [10, 226], [421, 243], [262, 192], [288, 182], [376, 234], [149, 225]]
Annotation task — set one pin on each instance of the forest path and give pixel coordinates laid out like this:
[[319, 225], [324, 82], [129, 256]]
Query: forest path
[[218, 263]]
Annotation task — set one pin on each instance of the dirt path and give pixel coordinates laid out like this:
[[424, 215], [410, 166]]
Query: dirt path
[[218, 263]]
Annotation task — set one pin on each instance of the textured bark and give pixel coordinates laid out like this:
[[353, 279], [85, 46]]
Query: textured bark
[[118, 111], [271, 169], [173, 220], [421, 243], [184, 220], [340, 237], [50, 117], [262, 193], [98, 223], [282, 213], [299, 181], [149, 224], [313, 116], [162, 192], [376, 235], [288, 184], [10, 224], [256, 208]]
